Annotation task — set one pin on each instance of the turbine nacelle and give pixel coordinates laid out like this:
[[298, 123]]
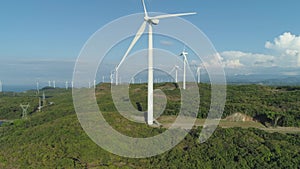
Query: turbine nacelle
[[153, 21], [184, 54]]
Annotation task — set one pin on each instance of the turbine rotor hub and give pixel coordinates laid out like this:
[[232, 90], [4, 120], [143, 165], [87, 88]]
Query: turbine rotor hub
[[153, 21]]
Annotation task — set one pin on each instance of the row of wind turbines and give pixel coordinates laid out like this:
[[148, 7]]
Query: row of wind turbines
[[151, 21], [67, 84]]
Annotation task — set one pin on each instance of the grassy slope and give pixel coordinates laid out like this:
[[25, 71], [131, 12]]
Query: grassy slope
[[54, 139]]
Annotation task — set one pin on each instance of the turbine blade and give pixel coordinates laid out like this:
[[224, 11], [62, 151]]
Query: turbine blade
[[145, 9], [136, 38], [172, 15], [172, 70]]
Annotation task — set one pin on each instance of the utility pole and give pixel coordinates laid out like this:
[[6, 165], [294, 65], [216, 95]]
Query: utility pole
[[24, 108]]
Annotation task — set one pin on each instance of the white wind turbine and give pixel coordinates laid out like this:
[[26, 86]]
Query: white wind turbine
[[175, 68], [198, 73], [38, 87], [185, 63], [150, 21], [67, 85], [111, 78], [95, 83]]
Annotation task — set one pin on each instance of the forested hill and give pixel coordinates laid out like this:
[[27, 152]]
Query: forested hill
[[53, 138]]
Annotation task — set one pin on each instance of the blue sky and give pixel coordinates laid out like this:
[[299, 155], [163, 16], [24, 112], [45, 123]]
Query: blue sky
[[33, 32]]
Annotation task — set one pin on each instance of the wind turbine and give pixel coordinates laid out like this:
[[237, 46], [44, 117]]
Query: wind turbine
[[38, 87], [111, 78], [150, 21], [185, 63], [176, 68], [67, 85], [198, 73]]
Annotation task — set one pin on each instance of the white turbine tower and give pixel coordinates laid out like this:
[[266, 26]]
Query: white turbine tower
[[150, 21], [198, 73], [38, 87], [67, 85], [54, 84], [185, 63], [111, 78], [175, 68]]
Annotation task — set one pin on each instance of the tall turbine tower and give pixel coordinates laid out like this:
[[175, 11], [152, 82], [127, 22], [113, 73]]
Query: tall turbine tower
[[150, 21], [38, 87], [198, 73], [54, 85], [67, 85], [175, 68], [185, 63], [111, 78]]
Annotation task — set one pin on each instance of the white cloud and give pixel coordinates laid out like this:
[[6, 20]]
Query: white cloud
[[233, 64], [235, 59], [287, 47]]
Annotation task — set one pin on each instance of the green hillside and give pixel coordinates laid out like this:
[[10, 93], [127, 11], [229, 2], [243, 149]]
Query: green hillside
[[53, 138]]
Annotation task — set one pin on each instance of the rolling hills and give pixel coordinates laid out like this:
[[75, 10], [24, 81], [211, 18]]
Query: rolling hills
[[53, 138]]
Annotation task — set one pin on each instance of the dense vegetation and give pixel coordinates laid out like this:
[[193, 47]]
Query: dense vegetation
[[53, 138], [254, 100]]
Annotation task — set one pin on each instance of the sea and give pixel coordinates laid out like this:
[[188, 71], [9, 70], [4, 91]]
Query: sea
[[20, 88]]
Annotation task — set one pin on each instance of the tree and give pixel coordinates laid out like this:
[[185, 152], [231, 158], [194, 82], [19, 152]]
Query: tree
[[274, 117]]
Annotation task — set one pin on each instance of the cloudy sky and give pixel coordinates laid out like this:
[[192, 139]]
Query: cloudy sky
[[40, 40]]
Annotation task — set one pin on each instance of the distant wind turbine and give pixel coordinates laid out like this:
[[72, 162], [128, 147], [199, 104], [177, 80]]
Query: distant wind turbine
[[185, 63], [198, 73], [150, 21], [38, 87], [175, 68], [111, 78], [67, 85]]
